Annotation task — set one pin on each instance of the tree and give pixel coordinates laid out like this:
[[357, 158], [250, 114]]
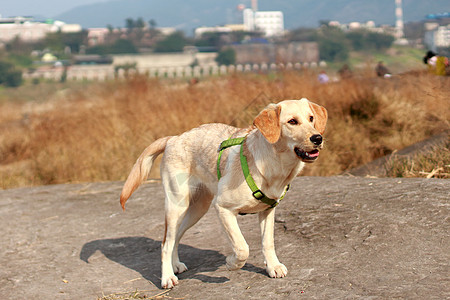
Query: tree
[[9, 76], [152, 24], [209, 39], [379, 41], [357, 40], [121, 46], [333, 45], [140, 23], [226, 56], [54, 41], [74, 40], [172, 43], [302, 35], [130, 24], [333, 50], [367, 40]]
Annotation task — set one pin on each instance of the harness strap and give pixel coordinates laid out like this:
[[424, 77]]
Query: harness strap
[[256, 192], [225, 144]]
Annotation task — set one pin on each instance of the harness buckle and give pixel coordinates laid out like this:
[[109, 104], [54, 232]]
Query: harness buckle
[[258, 195]]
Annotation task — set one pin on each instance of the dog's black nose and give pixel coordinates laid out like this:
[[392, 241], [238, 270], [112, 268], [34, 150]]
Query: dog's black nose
[[316, 139]]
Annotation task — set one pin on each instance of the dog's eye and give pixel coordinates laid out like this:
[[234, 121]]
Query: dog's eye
[[293, 122], [311, 119]]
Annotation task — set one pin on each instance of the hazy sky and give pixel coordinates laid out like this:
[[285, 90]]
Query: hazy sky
[[46, 8]]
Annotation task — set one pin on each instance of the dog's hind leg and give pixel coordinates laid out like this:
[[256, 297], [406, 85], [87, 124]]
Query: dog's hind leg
[[176, 187], [200, 202]]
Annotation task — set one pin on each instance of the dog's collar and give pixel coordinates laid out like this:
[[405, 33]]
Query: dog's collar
[[256, 192]]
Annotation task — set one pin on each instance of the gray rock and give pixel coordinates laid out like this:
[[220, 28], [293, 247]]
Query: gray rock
[[340, 237]]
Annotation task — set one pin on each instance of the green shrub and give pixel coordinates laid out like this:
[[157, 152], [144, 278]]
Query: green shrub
[[9, 76], [226, 56]]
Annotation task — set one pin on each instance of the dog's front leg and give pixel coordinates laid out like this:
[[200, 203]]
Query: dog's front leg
[[240, 248], [273, 266]]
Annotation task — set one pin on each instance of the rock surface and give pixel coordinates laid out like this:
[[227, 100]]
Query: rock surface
[[340, 237]]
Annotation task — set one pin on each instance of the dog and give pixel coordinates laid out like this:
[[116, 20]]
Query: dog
[[283, 138]]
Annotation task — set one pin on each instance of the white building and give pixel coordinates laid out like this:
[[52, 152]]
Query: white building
[[437, 36], [199, 31], [271, 23], [28, 30]]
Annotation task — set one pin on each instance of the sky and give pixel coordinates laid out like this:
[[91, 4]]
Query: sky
[[44, 8]]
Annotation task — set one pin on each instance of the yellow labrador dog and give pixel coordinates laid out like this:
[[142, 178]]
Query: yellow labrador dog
[[239, 171]]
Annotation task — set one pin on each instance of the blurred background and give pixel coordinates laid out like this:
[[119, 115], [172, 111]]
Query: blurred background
[[85, 86]]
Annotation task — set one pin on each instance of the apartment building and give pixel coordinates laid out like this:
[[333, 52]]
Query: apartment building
[[27, 29], [436, 36], [271, 23]]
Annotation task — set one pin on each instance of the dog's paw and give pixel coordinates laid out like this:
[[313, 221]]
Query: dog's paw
[[277, 271], [169, 282], [179, 267], [233, 263]]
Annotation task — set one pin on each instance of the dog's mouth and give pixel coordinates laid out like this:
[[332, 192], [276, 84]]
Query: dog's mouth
[[307, 156]]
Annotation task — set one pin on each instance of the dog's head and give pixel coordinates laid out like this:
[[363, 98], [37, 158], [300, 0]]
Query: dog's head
[[295, 125]]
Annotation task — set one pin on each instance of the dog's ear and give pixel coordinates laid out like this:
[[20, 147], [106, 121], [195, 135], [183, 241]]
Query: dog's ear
[[268, 123], [320, 115]]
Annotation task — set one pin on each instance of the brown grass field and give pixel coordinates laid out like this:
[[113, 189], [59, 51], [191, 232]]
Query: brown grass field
[[95, 132]]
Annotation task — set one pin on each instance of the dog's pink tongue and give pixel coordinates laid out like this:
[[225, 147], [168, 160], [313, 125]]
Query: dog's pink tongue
[[313, 154]]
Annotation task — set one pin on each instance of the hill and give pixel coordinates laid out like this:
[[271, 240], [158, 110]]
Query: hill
[[186, 15]]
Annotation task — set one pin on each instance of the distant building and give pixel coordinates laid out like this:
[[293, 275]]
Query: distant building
[[369, 25], [29, 30], [271, 23], [437, 37], [97, 36], [166, 30], [199, 31]]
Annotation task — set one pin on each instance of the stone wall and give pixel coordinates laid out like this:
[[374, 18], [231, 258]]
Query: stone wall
[[277, 53]]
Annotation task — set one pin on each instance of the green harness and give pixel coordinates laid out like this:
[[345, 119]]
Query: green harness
[[256, 192]]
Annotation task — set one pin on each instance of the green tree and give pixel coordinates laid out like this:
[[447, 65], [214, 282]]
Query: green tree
[[333, 45], [130, 24], [333, 50], [152, 24], [140, 23], [24, 61], [9, 76], [379, 41], [357, 40], [121, 46], [367, 40], [302, 35], [226, 56], [209, 39], [172, 43], [74, 40], [54, 41]]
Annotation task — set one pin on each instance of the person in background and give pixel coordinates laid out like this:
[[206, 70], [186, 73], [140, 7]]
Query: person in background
[[436, 64], [345, 72], [382, 71], [323, 77]]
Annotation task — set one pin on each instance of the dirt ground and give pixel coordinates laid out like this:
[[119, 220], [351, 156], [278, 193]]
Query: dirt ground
[[340, 237]]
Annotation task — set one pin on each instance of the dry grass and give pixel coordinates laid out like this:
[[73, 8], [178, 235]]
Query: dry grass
[[434, 163], [137, 295], [95, 133]]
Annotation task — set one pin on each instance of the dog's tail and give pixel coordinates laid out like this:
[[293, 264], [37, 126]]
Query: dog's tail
[[141, 168]]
